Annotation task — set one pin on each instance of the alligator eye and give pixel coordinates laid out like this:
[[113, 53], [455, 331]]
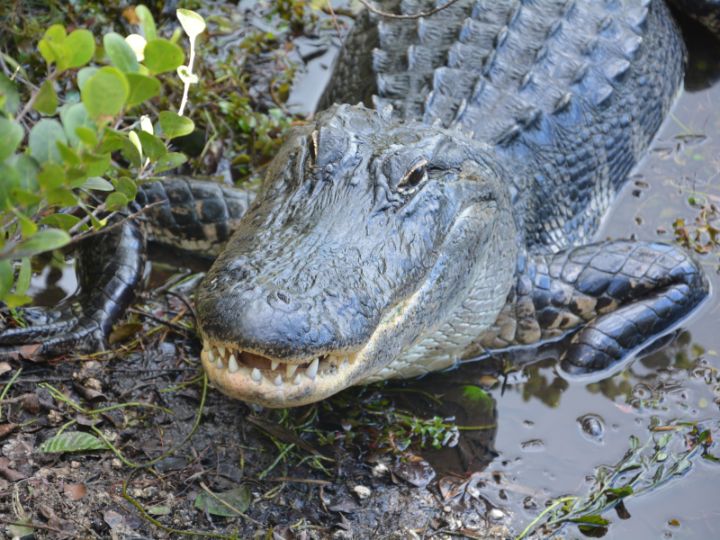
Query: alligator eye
[[314, 146], [413, 178]]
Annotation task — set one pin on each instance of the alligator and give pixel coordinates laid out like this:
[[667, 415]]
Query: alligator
[[446, 201]]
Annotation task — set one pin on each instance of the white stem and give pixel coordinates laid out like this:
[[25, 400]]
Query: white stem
[[186, 88]]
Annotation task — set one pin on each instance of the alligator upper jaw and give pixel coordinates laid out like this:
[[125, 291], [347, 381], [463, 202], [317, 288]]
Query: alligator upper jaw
[[275, 382]]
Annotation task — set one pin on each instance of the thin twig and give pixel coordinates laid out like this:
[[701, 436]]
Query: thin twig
[[187, 332], [420, 15], [334, 18], [89, 234]]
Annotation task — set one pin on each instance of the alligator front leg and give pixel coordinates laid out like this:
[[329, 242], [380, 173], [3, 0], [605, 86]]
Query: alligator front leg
[[111, 266], [617, 297], [193, 215]]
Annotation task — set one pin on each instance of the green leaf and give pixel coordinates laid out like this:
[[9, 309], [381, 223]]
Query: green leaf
[[105, 93], [117, 140], [79, 48], [74, 116], [69, 156], [42, 241], [98, 184], [159, 510], [6, 277], [593, 520], [27, 170], [51, 176], [620, 492], [47, 100], [126, 186], [43, 140], [9, 92], [169, 161], [84, 74], [10, 180], [237, 502], [11, 135], [61, 196], [61, 221], [96, 164], [52, 45], [142, 88], [147, 23], [116, 201], [72, 441], [173, 125], [120, 53], [162, 56], [23, 280], [86, 136], [153, 146], [27, 225]]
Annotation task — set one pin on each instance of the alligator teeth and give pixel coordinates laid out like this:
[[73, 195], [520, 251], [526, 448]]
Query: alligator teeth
[[290, 370], [219, 363], [274, 364], [345, 362], [313, 369], [256, 375], [278, 380], [232, 364], [210, 355], [297, 380]]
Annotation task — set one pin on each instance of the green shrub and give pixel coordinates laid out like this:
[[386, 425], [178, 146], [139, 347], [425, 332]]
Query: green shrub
[[68, 161]]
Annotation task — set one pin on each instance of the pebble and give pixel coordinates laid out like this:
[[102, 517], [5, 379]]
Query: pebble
[[363, 492]]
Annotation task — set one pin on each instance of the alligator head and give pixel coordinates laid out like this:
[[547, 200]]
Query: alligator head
[[375, 249]]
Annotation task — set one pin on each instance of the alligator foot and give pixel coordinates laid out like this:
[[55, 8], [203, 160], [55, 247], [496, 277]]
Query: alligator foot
[[617, 297], [194, 216], [109, 268]]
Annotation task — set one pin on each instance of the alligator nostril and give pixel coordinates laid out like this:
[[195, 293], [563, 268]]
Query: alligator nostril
[[282, 297]]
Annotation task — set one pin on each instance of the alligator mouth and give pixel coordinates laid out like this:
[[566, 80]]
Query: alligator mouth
[[274, 382]]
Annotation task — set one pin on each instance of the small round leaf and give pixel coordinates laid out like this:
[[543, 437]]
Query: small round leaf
[[105, 93], [173, 125], [79, 48], [120, 53], [43, 140], [142, 88], [162, 56]]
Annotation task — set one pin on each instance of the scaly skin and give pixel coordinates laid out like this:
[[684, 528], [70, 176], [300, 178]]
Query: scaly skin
[[454, 216]]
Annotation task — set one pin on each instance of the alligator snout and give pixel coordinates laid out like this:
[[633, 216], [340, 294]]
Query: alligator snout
[[276, 323]]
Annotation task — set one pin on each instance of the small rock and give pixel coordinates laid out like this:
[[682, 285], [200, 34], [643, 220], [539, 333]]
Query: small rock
[[363, 492], [380, 470], [116, 463], [74, 464], [496, 514]]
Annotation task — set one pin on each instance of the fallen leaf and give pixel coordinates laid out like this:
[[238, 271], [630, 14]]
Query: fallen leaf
[[4, 368], [7, 472], [75, 492], [237, 501], [6, 429]]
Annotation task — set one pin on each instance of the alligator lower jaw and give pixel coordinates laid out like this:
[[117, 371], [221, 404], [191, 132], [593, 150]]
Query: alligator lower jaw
[[275, 382]]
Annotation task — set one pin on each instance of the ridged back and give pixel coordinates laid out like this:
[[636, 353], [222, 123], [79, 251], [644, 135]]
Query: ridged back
[[568, 91]]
